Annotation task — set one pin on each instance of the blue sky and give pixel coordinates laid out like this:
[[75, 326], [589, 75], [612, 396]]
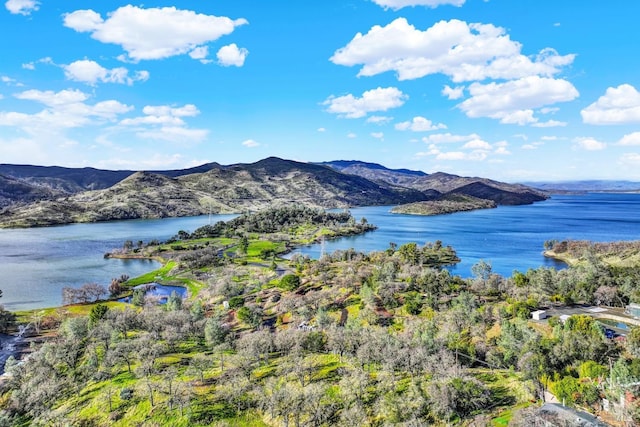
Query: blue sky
[[513, 90]]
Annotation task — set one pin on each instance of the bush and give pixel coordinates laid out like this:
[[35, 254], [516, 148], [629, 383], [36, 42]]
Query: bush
[[289, 282], [236, 302]]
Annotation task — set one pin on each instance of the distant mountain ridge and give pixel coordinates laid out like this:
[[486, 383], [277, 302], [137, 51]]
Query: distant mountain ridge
[[586, 186], [440, 184], [39, 196]]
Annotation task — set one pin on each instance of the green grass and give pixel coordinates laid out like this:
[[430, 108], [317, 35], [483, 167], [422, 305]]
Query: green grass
[[160, 274]]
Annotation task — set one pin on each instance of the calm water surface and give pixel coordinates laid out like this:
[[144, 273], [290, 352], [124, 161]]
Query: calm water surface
[[35, 264], [508, 237]]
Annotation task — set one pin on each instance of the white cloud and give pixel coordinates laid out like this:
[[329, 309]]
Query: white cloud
[[380, 99], [351, 135], [232, 55], [63, 110], [462, 51], [155, 115], [22, 7], [632, 159], [447, 138], [379, 120], [322, 130], [90, 72], [619, 105], [399, 4], [453, 93], [477, 144], [201, 53], [589, 144], [153, 33], [419, 124], [474, 155], [514, 101], [250, 143], [165, 122], [549, 110], [549, 124], [178, 134], [632, 139], [377, 135]]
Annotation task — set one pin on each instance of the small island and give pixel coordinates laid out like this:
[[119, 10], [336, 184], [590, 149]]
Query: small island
[[450, 203]]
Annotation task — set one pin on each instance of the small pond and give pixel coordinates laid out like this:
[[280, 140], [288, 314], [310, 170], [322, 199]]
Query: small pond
[[158, 292]]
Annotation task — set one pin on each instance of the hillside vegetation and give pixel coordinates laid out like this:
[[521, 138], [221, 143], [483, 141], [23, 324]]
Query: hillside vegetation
[[351, 339], [444, 205], [39, 196]]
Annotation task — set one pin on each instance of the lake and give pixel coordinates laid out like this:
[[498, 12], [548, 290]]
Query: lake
[[35, 264]]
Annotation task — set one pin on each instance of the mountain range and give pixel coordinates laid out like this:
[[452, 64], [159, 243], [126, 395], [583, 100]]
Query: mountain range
[[47, 195]]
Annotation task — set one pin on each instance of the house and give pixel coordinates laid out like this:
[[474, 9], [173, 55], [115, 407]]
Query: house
[[539, 315]]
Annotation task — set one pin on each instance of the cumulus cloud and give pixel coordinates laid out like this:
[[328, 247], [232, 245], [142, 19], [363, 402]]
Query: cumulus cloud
[[322, 130], [22, 7], [379, 120], [447, 138], [351, 135], [153, 33], [250, 143], [549, 124], [162, 115], [90, 72], [477, 144], [462, 51], [632, 139], [201, 53], [399, 4], [619, 105], [63, 110], [232, 55], [453, 92], [166, 122], [434, 151], [377, 135], [513, 101], [419, 124], [589, 144], [380, 99], [174, 134]]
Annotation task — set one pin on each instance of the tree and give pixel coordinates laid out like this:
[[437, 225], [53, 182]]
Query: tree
[[482, 270], [289, 282], [97, 313], [633, 341], [174, 303], [215, 332], [115, 287]]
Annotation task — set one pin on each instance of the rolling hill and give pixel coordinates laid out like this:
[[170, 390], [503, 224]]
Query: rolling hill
[[41, 196]]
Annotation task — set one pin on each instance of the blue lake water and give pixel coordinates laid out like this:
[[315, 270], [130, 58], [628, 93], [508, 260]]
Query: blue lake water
[[35, 264], [508, 237]]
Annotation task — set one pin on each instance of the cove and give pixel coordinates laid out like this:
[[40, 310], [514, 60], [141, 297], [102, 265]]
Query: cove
[[35, 264]]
